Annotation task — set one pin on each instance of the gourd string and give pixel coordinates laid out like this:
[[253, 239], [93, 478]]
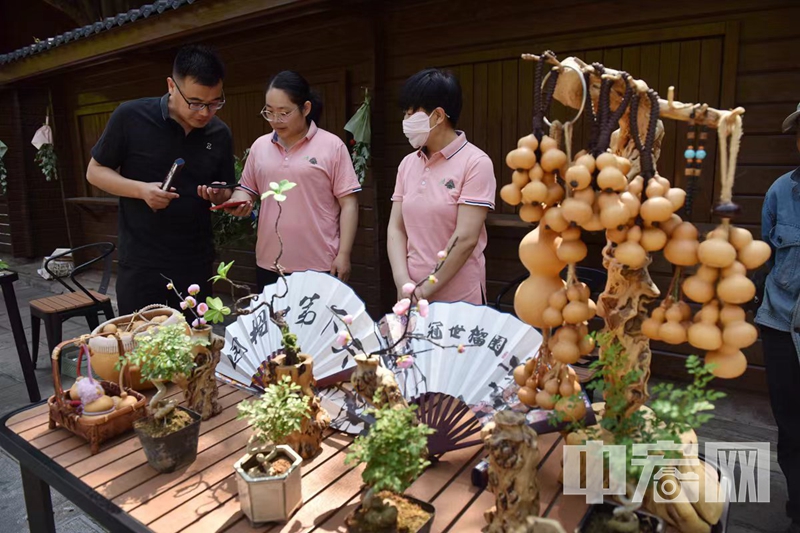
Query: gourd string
[[549, 89], [623, 105], [645, 148], [692, 166], [538, 119], [592, 146], [637, 140]]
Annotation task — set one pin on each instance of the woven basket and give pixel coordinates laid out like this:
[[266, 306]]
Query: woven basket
[[99, 428], [106, 352]]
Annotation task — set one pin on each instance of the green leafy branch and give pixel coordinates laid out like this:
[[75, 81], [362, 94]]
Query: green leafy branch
[[394, 450], [47, 161], [278, 190], [360, 153], [675, 410], [279, 412]]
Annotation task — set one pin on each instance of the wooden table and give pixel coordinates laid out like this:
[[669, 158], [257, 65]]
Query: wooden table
[[119, 489], [7, 279]]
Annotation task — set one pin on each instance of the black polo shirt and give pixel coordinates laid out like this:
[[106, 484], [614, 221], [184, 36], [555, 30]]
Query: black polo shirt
[[142, 142]]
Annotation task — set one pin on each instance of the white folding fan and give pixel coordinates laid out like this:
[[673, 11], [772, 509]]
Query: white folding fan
[[446, 381], [311, 300]]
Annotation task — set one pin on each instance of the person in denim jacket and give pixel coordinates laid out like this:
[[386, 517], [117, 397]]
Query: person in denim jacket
[[779, 319]]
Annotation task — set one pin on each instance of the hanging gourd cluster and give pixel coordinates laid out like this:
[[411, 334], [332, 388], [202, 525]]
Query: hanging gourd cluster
[[640, 216]]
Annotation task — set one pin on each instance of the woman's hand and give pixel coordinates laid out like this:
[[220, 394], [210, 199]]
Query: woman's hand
[[341, 267], [400, 293]]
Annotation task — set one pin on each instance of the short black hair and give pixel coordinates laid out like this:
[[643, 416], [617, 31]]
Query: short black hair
[[199, 62], [299, 91], [432, 88]]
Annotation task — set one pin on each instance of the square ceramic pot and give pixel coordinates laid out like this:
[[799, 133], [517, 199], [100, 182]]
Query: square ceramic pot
[[270, 499]]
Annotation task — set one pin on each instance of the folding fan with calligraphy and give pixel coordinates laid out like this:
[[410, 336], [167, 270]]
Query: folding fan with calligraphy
[[311, 301], [457, 366]]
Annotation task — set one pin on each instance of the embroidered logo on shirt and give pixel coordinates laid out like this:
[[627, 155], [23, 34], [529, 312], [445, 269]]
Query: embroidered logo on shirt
[[450, 184], [313, 160], [208, 146]]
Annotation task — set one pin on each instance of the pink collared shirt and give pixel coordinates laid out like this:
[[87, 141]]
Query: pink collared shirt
[[321, 167], [431, 189]]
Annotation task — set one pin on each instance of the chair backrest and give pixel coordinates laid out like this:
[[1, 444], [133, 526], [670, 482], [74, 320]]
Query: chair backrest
[[102, 252]]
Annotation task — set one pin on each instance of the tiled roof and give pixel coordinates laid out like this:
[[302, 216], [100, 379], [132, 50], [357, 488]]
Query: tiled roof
[[147, 10]]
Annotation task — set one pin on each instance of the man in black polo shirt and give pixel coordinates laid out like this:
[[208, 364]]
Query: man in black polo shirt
[[167, 232]]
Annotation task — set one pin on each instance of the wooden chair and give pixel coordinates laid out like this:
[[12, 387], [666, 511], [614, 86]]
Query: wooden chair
[[54, 310]]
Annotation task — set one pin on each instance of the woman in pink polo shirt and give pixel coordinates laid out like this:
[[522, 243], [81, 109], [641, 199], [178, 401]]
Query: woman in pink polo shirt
[[320, 215], [444, 191]]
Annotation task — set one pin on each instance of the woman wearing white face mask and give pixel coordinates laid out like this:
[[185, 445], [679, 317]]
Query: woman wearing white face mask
[[443, 193]]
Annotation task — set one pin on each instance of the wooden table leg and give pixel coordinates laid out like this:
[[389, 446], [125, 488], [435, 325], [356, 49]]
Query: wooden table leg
[[19, 339], [37, 502]]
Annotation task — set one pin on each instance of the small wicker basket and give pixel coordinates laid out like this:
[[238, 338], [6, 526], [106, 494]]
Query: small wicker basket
[[99, 428]]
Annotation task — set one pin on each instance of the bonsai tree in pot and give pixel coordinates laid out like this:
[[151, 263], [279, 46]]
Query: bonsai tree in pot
[[169, 435], [289, 361], [667, 427], [200, 387], [394, 451], [290, 356], [270, 472]]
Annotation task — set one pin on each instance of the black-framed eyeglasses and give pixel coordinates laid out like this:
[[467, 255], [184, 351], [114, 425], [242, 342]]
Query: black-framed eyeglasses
[[198, 106], [269, 116]]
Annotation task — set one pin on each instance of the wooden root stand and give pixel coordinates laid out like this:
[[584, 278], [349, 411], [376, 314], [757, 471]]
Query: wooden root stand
[[95, 429], [200, 389], [513, 459], [370, 377], [308, 440]]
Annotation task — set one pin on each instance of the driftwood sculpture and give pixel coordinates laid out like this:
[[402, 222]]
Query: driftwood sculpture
[[369, 377], [622, 305], [200, 389], [306, 442], [513, 458]]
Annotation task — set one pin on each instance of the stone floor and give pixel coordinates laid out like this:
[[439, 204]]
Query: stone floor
[[739, 417]]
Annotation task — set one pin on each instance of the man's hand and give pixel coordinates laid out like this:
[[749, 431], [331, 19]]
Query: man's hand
[[243, 210], [155, 197], [213, 195], [341, 267]]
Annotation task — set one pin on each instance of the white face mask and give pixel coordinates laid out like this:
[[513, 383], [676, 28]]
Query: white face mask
[[417, 128]]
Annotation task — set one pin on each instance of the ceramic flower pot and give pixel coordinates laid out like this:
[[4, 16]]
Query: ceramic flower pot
[[269, 498], [171, 452], [353, 523]]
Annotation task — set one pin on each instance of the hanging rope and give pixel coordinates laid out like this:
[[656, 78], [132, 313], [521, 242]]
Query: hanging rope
[[730, 137]]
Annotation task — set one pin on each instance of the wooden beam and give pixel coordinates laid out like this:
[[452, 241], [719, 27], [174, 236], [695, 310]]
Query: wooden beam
[[199, 18]]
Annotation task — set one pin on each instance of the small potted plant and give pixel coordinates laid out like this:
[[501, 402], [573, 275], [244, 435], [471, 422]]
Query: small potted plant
[[673, 415], [169, 434], [394, 451], [289, 361], [200, 387], [268, 476]]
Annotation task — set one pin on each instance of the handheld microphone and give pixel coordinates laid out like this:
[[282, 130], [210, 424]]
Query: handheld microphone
[[177, 166]]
